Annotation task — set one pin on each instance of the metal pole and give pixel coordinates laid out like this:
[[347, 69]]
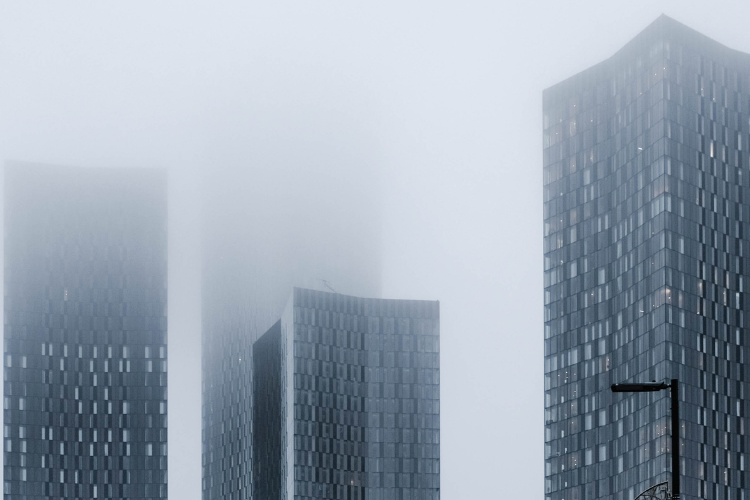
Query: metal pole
[[675, 439]]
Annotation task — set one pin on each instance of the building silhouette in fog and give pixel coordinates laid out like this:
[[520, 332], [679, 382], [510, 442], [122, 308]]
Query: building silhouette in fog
[[263, 236], [85, 333], [646, 240], [346, 400]]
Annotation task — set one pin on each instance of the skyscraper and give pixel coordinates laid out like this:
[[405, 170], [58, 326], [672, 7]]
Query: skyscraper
[[85, 332], [646, 204], [299, 222], [347, 400]]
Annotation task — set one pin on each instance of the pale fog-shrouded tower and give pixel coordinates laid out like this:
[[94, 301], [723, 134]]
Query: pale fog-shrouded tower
[[306, 218], [347, 400], [646, 245], [85, 365]]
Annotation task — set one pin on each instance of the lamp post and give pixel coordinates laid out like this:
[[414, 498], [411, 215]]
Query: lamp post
[[660, 386]]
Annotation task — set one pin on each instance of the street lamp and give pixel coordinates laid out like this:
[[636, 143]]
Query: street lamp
[[660, 386]]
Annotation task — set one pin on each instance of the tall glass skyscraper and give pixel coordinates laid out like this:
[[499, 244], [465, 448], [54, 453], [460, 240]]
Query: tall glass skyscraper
[[85, 366], [646, 206], [347, 400]]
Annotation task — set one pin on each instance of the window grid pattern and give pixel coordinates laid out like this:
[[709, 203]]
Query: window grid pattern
[[366, 416], [226, 408], [85, 363], [646, 201]]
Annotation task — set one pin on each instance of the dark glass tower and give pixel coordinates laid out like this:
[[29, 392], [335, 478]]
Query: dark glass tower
[[347, 400], [85, 333], [646, 205]]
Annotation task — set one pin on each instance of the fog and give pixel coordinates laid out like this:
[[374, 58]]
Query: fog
[[422, 119]]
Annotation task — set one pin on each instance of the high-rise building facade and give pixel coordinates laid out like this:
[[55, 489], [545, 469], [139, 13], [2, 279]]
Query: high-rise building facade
[[646, 205], [347, 400], [85, 365]]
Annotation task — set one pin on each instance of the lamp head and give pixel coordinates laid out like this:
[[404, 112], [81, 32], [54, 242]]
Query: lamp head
[[642, 387]]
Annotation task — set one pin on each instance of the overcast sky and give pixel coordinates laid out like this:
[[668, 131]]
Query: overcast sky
[[444, 98]]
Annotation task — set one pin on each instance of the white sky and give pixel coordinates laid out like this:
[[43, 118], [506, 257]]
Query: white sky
[[445, 95]]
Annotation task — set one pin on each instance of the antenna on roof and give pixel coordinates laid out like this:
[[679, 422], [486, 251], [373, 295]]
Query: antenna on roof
[[325, 282]]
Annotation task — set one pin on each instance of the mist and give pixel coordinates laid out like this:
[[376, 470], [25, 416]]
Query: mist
[[411, 132]]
